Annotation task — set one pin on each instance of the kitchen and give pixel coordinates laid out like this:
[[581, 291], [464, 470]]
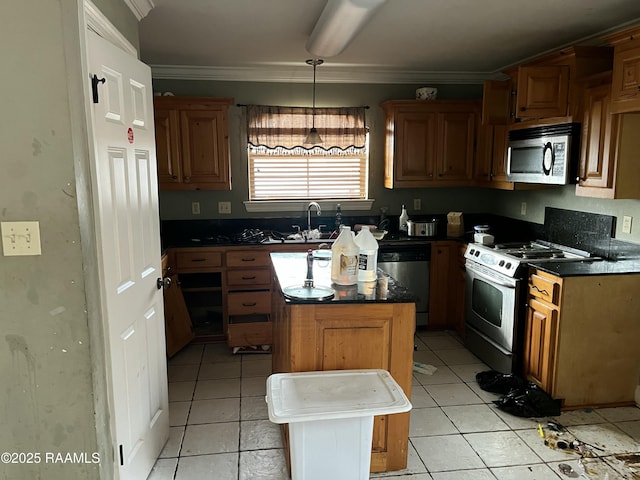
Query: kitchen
[[177, 205]]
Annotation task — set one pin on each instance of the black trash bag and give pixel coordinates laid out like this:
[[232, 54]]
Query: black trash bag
[[529, 401], [497, 382]]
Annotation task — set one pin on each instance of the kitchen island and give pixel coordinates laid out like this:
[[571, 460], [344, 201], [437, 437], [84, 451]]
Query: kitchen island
[[365, 326]]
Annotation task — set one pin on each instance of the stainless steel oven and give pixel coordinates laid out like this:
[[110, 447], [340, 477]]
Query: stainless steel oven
[[492, 305]]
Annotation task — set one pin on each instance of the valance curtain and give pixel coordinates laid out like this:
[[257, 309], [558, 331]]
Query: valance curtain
[[277, 130]]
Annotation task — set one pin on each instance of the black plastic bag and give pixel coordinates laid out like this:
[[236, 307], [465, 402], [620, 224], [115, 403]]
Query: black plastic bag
[[497, 382], [529, 401]]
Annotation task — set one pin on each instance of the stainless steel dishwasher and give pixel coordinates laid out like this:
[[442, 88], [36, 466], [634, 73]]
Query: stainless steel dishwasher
[[409, 265]]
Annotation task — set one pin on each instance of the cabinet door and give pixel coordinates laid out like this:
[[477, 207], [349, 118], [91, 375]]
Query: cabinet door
[[626, 78], [178, 330], [439, 284], [168, 147], [456, 135], [540, 338], [205, 150], [496, 102], [599, 130], [415, 148], [542, 91]]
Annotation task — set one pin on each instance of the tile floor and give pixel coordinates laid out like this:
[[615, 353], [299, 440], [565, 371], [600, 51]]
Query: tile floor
[[220, 428]]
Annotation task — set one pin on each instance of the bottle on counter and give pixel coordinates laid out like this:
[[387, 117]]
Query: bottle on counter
[[344, 258], [367, 255], [404, 217]]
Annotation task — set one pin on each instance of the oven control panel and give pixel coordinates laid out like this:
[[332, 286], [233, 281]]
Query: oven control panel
[[492, 259]]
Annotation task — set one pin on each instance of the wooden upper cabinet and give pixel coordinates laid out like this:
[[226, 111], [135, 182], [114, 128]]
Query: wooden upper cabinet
[[549, 86], [543, 91], [430, 143], [599, 130], [415, 154], [626, 77], [610, 142], [168, 146], [192, 143], [497, 97], [456, 134]]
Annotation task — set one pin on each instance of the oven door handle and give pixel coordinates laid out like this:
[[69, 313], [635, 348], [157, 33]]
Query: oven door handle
[[491, 279]]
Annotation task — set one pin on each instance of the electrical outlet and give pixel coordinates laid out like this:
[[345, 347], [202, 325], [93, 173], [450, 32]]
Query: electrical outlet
[[523, 208], [626, 224], [417, 204], [224, 208], [195, 208], [20, 238]]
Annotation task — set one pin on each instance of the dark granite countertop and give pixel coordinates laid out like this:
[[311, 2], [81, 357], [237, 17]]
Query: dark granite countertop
[[597, 267], [291, 270]]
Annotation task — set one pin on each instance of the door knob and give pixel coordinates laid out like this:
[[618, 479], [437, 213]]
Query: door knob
[[163, 282]]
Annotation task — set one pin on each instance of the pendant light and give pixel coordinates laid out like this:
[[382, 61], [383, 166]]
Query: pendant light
[[313, 137]]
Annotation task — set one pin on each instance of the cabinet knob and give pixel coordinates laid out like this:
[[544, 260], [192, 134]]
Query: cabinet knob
[[580, 179], [175, 177], [523, 109], [187, 179]]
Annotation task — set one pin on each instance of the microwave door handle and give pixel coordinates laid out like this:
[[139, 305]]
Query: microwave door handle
[[490, 279], [545, 147]]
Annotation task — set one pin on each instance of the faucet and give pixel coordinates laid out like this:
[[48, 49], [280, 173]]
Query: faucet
[[318, 210]]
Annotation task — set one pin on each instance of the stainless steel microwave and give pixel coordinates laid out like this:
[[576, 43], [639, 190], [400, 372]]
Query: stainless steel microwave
[[544, 154]]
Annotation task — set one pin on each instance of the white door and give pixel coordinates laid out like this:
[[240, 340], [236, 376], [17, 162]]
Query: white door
[[128, 235]]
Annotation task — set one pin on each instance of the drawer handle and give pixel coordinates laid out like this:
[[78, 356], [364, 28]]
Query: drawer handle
[[249, 278], [252, 259], [252, 304], [544, 292], [198, 259]]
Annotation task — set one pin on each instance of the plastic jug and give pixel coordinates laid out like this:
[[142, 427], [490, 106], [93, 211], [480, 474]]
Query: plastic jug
[[344, 258], [367, 255]]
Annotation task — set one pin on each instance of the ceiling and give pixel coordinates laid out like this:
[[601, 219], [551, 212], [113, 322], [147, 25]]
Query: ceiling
[[406, 41]]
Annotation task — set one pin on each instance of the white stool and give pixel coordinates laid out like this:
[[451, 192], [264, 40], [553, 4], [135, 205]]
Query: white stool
[[330, 416]]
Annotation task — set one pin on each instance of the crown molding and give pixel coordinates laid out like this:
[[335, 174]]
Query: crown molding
[[140, 8], [289, 73]]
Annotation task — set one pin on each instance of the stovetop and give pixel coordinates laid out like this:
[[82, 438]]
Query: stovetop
[[507, 258]]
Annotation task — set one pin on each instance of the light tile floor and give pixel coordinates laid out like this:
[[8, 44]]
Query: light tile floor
[[220, 428]]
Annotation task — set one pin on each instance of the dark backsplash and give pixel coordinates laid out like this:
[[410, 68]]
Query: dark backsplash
[[582, 230]]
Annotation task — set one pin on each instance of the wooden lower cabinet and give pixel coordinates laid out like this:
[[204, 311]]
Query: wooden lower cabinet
[[581, 338], [315, 337], [178, 331], [540, 338], [446, 286]]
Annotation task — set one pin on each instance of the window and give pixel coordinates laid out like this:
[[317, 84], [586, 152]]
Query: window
[[282, 167]]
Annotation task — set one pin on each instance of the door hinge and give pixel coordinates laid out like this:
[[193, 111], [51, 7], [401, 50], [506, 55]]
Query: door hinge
[[121, 456]]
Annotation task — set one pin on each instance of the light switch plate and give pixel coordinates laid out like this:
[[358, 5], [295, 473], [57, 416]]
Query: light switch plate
[[20, 238], [626, 224], [195, 208]]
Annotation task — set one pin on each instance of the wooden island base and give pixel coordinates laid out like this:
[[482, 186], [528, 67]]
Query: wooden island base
[[338, 336]]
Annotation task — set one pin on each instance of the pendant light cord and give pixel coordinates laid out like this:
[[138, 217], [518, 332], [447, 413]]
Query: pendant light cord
[[315, 62]]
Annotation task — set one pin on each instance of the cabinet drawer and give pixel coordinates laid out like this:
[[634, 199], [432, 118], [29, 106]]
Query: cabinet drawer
[[244, 334], [248, 278], [249, 303], [248, 258], [544, 288], [198, 260]]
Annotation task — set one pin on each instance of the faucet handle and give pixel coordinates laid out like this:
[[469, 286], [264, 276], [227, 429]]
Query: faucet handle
[[297, 227], [320, 227]]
